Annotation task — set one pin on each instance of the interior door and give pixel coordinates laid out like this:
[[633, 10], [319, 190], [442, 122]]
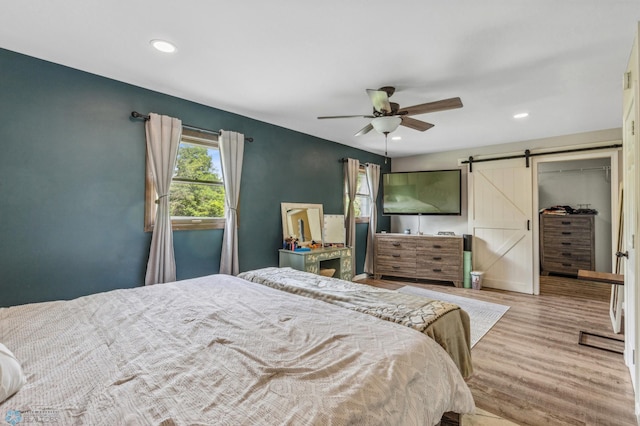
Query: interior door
[[500, 199], [631, 179], [629, 229]]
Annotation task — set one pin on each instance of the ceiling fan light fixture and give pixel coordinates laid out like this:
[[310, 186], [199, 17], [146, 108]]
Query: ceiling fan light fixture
[[386, 124]]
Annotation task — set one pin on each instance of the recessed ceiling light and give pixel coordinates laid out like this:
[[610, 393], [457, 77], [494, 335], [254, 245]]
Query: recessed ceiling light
[[163, 46], [521, 115], [396, 138]]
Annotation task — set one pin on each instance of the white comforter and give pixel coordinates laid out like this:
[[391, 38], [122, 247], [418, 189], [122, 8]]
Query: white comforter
[[219, 350]]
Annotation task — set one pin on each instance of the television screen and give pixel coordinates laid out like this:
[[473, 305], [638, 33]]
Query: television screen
[[434, 192]]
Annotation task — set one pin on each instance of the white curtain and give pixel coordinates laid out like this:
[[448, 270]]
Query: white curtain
[[373, 182], [231, 155], [163, 138], [351, 168]]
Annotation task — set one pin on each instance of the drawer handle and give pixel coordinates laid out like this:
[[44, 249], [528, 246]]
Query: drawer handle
[[396, 244], [566, 222], [437, 258], [566, 264], [566, 254], [437, 270], [566, 233], [395, 255], [437, 246], [566, 244], [395, 267]]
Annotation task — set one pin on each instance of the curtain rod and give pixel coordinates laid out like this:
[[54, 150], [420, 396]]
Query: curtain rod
[[135, 114], [527, 154], [345, 159]]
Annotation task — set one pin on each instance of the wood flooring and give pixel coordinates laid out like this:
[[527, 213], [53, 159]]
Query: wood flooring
[[529, 367]]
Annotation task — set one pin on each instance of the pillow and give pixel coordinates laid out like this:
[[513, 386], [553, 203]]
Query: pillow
[[11, 376]]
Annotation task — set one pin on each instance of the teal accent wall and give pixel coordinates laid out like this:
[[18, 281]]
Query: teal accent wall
[[72, 165]]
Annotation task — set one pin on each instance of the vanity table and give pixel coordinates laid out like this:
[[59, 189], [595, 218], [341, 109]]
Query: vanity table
[[338, 258], [305, 223]]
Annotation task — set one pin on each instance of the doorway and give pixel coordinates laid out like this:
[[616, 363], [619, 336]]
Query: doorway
[[587, 181]]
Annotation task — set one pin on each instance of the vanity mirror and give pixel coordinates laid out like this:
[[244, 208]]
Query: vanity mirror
[[302, 221]]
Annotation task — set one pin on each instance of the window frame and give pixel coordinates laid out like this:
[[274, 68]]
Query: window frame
[[150, 194]]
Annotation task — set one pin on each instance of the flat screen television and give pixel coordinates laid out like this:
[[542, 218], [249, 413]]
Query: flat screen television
[[430, 192]]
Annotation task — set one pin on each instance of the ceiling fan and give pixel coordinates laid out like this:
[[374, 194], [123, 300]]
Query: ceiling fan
[[387, 116]]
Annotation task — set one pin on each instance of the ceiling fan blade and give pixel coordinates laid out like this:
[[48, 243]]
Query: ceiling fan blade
[[366, 129], [412, 123], [442, 105], [380, 100], [346, 116]]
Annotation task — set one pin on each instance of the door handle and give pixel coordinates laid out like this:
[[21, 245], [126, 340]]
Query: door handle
[[528, 225], [622, 254]]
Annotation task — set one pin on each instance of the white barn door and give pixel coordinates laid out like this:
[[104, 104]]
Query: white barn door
[[500, 204]]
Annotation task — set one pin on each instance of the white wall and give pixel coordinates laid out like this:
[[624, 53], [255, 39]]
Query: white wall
[[449, 160]]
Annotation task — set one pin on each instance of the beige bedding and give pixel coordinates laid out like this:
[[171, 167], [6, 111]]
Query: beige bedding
[[219, 350], [445, 322]]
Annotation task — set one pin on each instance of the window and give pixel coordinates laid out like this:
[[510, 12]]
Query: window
[[196, 197], [362, 203]]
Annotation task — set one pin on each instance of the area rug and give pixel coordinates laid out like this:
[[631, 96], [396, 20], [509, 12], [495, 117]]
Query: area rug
[[484, 315]]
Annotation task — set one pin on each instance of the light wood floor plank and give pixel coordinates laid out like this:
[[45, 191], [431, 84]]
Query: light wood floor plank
[[529, 367]]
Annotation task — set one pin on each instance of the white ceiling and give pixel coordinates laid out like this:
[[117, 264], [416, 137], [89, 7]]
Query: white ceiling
[[286, 62]]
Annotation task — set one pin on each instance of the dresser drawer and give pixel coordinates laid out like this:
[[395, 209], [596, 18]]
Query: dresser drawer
[[580, 253], [567, 235], [434, 271], [395, 258], [437, 245], [567, 266], [395, 269], [400, 258], [573, 223], [439, 259], [567, 244], [442, 257], [392, 245]]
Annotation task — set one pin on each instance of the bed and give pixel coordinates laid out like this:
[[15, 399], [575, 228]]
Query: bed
[[445, 322], [223, 350]]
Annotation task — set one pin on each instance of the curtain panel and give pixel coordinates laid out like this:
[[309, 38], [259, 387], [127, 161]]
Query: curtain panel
[[163, 138], [373, 182], [231, 157], [351, 168]]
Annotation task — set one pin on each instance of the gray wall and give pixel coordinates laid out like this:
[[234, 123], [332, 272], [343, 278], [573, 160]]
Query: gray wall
[[72, 183]]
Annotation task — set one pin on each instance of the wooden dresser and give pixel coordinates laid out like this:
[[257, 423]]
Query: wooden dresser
[[567, 243], [428, 257]]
